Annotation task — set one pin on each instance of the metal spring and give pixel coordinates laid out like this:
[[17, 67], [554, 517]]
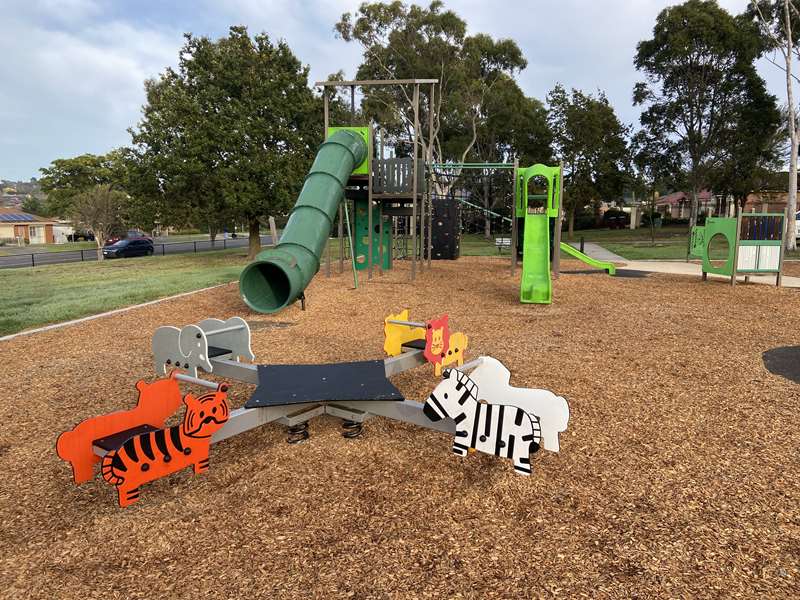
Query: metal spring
[[297, 433], [352, 429]]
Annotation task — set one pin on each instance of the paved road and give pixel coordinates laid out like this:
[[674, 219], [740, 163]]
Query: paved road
[[70, 256]]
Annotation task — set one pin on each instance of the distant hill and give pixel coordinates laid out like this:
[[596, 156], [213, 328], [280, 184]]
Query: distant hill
[[14, 193]]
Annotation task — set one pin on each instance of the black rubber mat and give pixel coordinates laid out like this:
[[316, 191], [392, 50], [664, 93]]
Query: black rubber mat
[[415, 344], [295, 384], [114, 441], [784, 361]]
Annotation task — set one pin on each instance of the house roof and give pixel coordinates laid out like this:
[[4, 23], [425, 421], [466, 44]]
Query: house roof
[[18, 217], [676, 198]]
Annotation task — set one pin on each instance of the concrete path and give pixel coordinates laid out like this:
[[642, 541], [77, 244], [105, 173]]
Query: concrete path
[[676, 267], [695, 270], [597, 252]]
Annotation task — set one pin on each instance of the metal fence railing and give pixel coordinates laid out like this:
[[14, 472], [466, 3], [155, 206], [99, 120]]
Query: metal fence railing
[[36, 259]]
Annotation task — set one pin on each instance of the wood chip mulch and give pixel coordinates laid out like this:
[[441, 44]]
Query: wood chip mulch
[[679, 475]]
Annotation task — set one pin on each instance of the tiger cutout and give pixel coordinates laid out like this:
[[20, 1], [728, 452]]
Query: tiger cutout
[[150, 456]]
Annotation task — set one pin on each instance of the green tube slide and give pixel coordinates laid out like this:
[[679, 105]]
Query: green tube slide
[[278, 275]]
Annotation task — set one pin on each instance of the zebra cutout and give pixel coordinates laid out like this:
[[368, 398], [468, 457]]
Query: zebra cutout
[[498, 429]]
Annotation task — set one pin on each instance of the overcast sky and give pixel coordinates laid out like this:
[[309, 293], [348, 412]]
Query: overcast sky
[[72, 71]]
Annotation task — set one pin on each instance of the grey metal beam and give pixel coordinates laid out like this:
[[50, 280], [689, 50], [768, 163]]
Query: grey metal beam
[[407, 411], [231, 369], [369, 82], [403, 362], [245, 419]]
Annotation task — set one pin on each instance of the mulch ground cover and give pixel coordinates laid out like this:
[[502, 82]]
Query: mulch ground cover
[[679, 474]]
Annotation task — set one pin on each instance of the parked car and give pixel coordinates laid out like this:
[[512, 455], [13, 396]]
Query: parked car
[[616, 219], [132, 234], [129, 247], [797, 226], [80, 236]]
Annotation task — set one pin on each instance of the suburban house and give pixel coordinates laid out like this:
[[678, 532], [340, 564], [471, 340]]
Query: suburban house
[[16, 224], [678, 205], [766, 201]]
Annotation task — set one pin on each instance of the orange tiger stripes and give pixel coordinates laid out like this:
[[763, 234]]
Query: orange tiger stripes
[[150, 456]]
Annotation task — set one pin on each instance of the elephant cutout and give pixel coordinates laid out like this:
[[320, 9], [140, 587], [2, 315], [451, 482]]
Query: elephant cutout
[[237, 341], [185, 348]]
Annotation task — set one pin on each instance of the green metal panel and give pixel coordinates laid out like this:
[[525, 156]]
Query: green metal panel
[[363, 168], [278, 275], [362, 237], [697, 242], [725, 226]]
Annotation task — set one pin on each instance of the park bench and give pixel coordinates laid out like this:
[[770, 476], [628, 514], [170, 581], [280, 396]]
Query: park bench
[[502, 242]]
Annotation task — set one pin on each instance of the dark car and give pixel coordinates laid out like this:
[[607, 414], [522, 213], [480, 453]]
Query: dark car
[[80, 236], [616, 219], [131, 234], [129, 247]]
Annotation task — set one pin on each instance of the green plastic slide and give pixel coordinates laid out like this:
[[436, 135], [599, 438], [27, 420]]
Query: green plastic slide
[[536, 287], [597, 264], [278, 276]]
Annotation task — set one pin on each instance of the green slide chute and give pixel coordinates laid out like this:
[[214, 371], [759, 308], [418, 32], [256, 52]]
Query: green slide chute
[[535, 286], [278, 276], [592, 262]]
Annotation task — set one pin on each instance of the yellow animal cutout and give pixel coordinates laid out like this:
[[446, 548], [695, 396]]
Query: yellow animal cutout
[[397, 335], [455, 352]]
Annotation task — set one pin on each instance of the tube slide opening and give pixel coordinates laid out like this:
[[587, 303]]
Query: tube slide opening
[[265, 287]]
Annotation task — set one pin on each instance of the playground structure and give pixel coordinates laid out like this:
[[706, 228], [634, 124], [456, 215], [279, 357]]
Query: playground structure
[[387, 195], [754, 245], [541, 217], [485, 413], [394, 198]]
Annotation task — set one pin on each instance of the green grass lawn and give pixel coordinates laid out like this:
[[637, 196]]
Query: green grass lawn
[[670, 243], [40, 248], [31, 297], [671, 233]]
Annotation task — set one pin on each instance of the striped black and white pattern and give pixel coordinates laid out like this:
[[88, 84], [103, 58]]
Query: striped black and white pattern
[[502, 430]]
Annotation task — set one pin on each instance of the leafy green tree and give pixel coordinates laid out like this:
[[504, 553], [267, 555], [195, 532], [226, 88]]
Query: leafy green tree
[[101, 209], [228, 134], [754, 148], [699, 68], [408, 41], [65, 178], [34, 206], [779, 24], [592, 143], [654, 170], [514, 125]]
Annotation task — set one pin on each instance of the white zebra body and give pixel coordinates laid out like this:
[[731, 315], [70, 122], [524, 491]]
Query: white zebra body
[[493, 381], [498, 429]]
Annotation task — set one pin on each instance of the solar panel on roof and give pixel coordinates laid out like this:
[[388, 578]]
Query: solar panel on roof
[[18, 217]]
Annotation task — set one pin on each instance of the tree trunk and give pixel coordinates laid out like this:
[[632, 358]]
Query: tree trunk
[[212, 233], [254, 238], [791, 218], [571, 223], [99, 243], [693, 211], [653, 218]]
